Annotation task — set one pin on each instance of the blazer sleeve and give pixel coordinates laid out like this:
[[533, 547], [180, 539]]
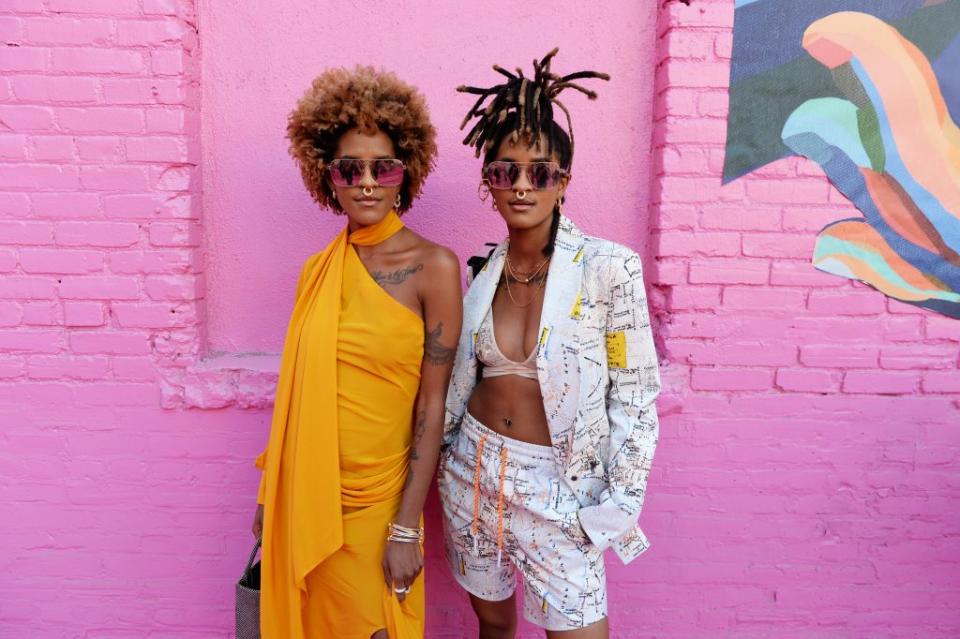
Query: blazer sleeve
[[632, 386]]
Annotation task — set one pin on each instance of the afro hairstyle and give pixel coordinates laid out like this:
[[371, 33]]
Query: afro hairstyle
[[367, 99]]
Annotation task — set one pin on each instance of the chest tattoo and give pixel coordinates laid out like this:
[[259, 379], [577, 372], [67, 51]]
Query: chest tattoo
[[398, 276]]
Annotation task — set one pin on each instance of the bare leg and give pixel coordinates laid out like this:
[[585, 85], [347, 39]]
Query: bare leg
[[598, 630], [498, 619]]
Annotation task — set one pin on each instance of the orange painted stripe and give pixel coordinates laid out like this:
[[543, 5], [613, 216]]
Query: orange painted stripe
[[865, 236], [898, 210]]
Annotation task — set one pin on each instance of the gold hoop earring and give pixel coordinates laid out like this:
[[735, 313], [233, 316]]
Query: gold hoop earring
[[560, 205], [483, 190], [397, 202], [493, 205]]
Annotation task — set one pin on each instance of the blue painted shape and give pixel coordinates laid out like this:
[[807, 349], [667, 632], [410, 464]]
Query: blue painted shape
[[768, 33], [947, 69], [947, 225], [846, 176]]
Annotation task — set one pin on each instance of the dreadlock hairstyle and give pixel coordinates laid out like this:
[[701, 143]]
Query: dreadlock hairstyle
[[522, 107]]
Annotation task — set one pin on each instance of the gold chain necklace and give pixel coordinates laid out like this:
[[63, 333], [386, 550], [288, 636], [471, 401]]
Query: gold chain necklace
[[529, 277], [533, 297]]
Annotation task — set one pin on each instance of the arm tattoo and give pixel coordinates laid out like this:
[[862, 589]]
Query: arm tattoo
[[418, 429], [435, 352], [398, 276]]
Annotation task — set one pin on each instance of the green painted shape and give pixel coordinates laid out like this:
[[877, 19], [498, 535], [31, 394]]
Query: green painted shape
[[759, 107], [868, 123], [932, 28], [834, 122]]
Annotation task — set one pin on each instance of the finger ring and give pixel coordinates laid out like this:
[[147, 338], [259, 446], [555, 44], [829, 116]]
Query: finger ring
[[401, 591]]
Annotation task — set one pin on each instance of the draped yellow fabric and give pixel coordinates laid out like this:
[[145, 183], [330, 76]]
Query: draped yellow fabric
[[336, 460]]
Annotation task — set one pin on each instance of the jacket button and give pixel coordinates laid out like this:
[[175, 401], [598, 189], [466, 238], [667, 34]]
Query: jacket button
[[574, 478]]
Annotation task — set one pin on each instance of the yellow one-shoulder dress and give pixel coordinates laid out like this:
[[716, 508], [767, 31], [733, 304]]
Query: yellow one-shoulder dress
[[343, 455]]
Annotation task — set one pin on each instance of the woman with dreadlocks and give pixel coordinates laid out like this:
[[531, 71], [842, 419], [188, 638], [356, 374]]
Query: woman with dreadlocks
[[359, 412], [550, 426]]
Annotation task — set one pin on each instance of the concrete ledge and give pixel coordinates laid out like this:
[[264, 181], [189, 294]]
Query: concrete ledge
[[243, 380]]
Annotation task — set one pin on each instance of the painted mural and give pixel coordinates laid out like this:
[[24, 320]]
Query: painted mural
[[870, 90]]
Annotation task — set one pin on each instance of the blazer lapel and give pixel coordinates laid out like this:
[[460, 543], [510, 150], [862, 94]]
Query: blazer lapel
[[484, 287], [558, 324], [475, 305]]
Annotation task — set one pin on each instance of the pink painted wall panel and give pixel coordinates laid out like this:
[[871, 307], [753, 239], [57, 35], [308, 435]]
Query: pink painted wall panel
[[258, 61], [806, 480]]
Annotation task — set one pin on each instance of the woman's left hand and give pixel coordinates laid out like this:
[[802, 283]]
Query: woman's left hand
[[402, 562]]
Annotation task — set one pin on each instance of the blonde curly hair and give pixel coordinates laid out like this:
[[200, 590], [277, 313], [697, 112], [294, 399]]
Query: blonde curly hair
[[363, 97]]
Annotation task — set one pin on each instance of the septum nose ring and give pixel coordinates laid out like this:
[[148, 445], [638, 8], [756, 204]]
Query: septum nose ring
[[367, 191], [521, 195]]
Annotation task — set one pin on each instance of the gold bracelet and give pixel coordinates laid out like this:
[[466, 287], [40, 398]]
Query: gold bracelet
[[404, 534], [403, 529]]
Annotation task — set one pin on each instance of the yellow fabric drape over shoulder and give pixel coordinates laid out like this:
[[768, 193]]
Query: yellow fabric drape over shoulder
[[336, 460]]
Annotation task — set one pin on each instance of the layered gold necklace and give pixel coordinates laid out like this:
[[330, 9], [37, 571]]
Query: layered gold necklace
[[524, 280]]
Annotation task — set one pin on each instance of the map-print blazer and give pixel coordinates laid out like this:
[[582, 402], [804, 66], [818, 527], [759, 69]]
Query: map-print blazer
[[598, 375]]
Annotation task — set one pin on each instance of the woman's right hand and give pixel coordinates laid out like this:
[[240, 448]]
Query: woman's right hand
[[258, 522]]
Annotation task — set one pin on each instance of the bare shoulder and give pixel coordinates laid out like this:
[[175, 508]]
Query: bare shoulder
[[438, 261]]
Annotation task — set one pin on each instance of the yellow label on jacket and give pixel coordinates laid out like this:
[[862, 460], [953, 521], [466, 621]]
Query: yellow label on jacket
[[575, 313], [617, 350]]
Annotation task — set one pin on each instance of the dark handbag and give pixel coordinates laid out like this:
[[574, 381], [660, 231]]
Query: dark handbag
[[248, 599]]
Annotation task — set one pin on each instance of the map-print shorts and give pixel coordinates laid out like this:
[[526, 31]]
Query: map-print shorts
[[507, 510]]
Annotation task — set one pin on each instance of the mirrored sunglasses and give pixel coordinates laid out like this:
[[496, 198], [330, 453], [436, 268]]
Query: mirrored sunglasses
[[541, 175], [349, 171]]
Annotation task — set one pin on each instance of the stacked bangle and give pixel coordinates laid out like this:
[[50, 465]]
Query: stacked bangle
[[396, 532]]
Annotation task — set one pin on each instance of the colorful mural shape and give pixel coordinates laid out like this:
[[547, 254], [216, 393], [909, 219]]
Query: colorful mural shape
[[881, 124]]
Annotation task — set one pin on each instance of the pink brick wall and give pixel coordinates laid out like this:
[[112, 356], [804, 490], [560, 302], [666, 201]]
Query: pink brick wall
[[806, 482]]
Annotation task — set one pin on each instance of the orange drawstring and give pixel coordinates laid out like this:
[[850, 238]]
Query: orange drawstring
[[476, 492], [476, 497], [503, 474]]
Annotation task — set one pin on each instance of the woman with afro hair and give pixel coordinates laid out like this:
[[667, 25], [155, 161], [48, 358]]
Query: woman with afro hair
[[551, 425], [369, 349]]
